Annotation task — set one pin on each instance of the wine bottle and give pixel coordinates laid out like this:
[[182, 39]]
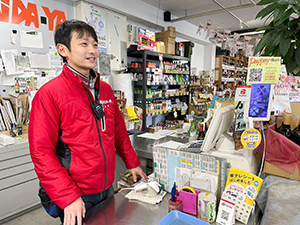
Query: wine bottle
[[285, 128], [192, 130], [296, 134], [201, 133]]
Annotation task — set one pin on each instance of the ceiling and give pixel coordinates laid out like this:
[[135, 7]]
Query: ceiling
[[239, 20]]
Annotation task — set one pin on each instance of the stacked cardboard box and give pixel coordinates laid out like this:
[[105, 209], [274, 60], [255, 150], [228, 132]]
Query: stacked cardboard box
[[168, 37]]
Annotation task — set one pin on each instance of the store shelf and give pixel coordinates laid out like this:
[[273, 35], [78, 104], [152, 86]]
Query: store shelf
[[150, 54], [164, 112], [145, 56]]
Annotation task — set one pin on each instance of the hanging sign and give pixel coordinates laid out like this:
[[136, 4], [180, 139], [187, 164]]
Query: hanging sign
[[263, 70]]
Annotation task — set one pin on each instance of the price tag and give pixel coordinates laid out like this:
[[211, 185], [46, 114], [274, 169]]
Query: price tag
[[251, 138]]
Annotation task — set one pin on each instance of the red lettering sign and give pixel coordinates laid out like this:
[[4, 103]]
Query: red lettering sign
[[61, 17], [29, 14], [4, 12]]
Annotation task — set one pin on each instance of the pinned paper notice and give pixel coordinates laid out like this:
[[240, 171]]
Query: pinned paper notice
[[31, 39], [8, 57]]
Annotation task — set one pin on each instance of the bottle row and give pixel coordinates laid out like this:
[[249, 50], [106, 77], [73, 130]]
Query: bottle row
[[167, 66], [161, 106], [162, 79], [162, 93], [198, 131], [229, 63], [284, 127]]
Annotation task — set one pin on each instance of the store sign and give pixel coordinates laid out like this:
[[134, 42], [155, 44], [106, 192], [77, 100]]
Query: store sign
[[263, 70], [242, 93], [16, 12]]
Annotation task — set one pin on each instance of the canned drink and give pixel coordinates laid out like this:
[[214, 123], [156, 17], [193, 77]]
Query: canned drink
[[207, 207], [14, 130]]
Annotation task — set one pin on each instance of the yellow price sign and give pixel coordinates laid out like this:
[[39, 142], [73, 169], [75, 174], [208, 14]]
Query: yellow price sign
[[251, 138]]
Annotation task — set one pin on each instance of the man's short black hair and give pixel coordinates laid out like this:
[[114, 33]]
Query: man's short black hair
[[64, 32]]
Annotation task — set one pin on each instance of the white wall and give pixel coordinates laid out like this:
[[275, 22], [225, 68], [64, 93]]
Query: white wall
[[150, 17], [65, 6]]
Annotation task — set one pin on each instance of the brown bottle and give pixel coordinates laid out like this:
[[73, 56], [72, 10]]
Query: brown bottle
[[285, 129], [296, 134]]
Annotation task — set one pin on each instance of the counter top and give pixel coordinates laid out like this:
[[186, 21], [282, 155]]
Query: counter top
[[120, 210], [142, 146]]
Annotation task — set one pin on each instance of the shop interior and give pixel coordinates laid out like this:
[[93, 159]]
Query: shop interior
[[210, 100]]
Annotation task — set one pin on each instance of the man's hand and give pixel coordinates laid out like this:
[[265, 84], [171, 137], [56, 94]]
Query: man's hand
[[75, 209], [138, 171]]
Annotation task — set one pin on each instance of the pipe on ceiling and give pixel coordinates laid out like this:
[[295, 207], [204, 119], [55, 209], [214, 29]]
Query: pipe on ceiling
[[213, 12]]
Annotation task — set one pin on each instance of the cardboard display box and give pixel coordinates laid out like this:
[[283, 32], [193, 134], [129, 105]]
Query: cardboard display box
[[282, 155], [271, 169]]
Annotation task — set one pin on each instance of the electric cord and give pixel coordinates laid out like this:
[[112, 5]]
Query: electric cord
[[264, 151]]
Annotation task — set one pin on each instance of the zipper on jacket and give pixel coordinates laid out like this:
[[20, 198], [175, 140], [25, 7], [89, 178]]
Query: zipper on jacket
[[99, 135], [102, 152]]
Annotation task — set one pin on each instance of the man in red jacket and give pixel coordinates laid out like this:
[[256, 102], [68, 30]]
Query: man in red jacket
[[76, 128]]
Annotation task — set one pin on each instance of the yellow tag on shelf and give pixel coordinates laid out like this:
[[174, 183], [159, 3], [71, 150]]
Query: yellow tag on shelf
[[251, 138]]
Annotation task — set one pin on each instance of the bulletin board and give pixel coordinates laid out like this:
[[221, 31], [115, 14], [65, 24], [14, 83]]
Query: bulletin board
[[34, 25]]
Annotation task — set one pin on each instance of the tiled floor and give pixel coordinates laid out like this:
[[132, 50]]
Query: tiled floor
[[35, 217]]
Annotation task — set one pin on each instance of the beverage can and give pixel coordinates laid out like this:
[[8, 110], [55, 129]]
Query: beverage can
[[207, 207]]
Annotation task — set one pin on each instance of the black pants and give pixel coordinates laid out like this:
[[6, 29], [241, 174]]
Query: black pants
[[91, 200]]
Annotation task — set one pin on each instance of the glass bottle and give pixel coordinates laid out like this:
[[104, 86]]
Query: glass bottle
[[192, 130], [296, 133], [285, 128], [201, 133]]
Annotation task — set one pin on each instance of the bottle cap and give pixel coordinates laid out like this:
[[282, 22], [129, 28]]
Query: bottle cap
[[279, 120], [287, 117]]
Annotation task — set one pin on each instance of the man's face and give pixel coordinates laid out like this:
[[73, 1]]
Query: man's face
[[83, 54]]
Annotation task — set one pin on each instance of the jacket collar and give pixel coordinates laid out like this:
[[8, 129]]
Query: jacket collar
[[79, 78]]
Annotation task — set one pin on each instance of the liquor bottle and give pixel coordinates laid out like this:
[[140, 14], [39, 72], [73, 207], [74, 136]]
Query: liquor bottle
[[285, 128], [198, 130], [296, 134], [201, 133], [192, 130]]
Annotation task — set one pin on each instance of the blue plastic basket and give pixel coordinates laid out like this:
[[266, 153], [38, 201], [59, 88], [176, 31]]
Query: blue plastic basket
[[176, 217]]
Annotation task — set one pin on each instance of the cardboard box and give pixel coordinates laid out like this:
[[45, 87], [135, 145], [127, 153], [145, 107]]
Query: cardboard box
[[160, 47], [271, 169], [170, 28], [170, 48], [282, 155], [165, 34]]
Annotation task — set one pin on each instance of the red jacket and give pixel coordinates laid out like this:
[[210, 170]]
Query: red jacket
[[63, 130]]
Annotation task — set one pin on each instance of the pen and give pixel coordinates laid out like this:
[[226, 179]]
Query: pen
[[173, 192]]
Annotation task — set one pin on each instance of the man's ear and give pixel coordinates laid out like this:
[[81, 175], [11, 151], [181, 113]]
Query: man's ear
[[62, 50]]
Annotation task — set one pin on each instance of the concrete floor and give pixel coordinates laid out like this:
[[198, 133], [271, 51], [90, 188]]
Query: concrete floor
[[35, 217]]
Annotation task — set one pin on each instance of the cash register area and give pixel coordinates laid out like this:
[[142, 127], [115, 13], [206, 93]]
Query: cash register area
[[191, 175]]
